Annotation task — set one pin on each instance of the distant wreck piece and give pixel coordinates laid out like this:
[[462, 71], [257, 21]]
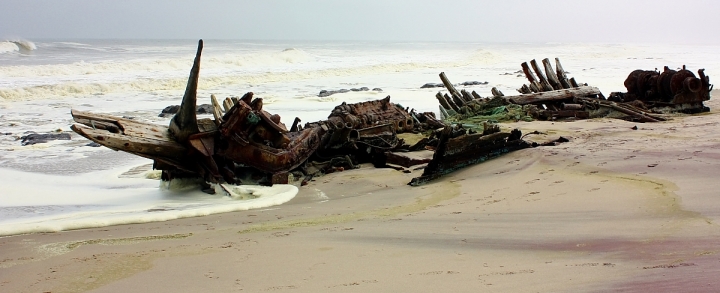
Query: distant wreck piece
[[551, 95]]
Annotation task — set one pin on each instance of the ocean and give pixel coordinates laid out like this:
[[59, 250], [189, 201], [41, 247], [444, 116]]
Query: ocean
[[67, 184]]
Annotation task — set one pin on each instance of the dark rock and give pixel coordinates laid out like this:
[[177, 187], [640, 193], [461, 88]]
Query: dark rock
[[204, 109], [474, 83], [325, 93], [377, 89], [34, 138], [173, 109], [431, 85], [94, 144]]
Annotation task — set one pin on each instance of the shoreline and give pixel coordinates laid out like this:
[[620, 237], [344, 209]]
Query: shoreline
[[615, 209]]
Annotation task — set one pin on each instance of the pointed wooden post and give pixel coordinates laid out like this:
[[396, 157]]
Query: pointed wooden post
[[184, 123], [552, 78], [562, 76]]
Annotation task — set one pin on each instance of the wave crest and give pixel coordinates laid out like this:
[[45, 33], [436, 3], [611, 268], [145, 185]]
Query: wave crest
[[23, 46], [78, 88]]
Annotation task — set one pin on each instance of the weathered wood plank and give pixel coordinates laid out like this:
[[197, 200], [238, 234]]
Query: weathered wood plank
[[496, 92], [557, 95], [126, 126], [133, 144], [453, 91], [528, 74], [543, 81], [550, 73], [562, 76], [443, 102], [217, 112]]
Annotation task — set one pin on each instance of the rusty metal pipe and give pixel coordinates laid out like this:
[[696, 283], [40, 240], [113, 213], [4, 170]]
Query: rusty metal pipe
[[340, 135]]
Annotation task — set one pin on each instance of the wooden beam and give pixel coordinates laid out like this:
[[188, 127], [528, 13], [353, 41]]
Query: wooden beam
[[543, 81], [550, 72], [453, 91], [557, 95], [562, 76]]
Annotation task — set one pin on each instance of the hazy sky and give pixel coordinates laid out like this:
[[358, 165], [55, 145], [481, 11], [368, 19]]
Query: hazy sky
[[664, 21]]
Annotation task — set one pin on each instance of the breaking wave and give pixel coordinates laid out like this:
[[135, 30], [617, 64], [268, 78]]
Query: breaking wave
[[77, 87], [22, 46]]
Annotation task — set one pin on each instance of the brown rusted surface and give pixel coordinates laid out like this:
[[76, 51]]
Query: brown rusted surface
[[456, 152], [244, 138], [371, 113], [672, 90]]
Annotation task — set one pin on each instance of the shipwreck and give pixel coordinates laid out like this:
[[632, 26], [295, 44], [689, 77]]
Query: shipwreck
[[243, 138], [243, 143]]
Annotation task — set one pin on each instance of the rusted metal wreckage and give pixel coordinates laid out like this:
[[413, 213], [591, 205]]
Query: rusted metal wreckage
[[243, 138], [551, 95]]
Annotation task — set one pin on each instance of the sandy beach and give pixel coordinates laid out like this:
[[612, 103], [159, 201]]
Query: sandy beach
[[616, 209]]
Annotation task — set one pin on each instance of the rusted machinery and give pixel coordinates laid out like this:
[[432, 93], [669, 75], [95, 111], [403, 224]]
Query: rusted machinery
[[673, 90]]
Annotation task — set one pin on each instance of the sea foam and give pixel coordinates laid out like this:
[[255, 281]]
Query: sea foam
[[35, 203]]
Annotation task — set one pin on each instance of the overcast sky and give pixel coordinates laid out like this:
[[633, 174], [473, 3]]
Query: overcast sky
[[637, 21]]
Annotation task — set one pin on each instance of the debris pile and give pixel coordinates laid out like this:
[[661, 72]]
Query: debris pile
[[551, 95]]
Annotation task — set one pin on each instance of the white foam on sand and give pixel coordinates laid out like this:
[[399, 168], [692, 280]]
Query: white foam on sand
[[35, 202]]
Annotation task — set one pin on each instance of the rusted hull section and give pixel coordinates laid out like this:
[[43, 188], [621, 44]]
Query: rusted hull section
[[454, 153]]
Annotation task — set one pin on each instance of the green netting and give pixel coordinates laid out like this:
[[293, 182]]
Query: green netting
[[505, 113]]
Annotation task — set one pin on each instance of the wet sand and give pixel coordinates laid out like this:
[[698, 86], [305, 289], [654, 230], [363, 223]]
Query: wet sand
[[615, 209]]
